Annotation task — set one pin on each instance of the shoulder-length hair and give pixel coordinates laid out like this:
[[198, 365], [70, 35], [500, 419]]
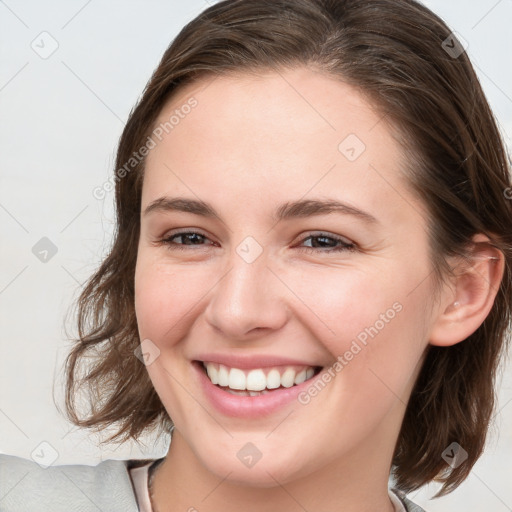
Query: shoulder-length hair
[[412, 69]]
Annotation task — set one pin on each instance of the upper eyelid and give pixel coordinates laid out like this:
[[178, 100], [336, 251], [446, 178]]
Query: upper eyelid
[[311, 234]]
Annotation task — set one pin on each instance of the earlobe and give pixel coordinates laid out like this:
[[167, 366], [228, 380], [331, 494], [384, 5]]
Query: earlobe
[[466, 305]]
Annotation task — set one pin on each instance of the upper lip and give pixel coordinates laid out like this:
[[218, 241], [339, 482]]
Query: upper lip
[[252, 361]]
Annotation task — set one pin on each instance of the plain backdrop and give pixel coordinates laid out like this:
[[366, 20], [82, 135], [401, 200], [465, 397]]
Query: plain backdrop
[[70, 72]]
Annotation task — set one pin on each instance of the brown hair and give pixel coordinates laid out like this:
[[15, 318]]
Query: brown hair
[[395, 53]]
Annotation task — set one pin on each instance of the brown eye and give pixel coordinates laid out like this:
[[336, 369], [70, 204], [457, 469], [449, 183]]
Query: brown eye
[[184, 238], [330, 243]]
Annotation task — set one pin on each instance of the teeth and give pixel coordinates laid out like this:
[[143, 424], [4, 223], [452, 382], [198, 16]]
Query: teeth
[[223, 375], [257, 381], [273, 379], [288, 377], [237, 379], [300, 377], [213, 374], [247, 393]]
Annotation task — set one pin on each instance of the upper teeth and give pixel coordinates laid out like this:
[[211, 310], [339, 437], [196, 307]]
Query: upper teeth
[[257, 379]]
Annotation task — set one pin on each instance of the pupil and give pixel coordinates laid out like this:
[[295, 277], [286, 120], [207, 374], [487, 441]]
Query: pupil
[[194, 238], [323, 241]]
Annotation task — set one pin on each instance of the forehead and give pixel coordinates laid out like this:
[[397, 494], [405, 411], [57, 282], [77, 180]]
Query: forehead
[[292, 133]]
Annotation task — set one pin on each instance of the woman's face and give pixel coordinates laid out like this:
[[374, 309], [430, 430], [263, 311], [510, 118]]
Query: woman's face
[[278, 241]]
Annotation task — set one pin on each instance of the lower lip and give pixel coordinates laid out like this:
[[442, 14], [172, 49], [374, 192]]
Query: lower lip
[[248, 406]]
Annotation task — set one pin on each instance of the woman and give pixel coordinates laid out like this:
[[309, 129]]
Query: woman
[[311, 275]]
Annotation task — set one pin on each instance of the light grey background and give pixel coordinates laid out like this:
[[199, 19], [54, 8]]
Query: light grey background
[[61, 118]]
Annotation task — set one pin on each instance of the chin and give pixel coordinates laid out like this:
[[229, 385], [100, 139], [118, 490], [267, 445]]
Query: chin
[[235, 466]]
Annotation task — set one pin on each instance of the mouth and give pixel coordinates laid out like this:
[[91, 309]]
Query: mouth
[[256, 382]]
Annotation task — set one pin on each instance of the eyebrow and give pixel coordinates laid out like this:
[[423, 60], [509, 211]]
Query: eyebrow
[[288, 210]]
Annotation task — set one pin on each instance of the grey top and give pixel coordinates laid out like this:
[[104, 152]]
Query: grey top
[[25, 486]]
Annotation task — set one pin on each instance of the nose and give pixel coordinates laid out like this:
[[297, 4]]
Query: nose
[[248, 301]]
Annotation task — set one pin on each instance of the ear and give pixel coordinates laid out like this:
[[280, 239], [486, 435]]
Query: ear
[[467, 302]]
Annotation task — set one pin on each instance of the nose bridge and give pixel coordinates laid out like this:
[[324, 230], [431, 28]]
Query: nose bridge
[[249, 296]]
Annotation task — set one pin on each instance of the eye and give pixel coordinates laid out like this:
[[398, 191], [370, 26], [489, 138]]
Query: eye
[[328, 242], [183, 239], [321, 242]]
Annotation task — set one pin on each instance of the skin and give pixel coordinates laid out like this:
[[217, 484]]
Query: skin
[[251, 144]]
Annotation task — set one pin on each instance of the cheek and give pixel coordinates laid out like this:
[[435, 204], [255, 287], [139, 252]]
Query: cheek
[[372, 325], [164, 306], [345, 304], [165, 300]]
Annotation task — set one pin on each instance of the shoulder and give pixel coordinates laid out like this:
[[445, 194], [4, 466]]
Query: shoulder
[[27, 486]]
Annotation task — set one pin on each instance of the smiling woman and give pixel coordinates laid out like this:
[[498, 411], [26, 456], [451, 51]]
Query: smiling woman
[[302, 262]]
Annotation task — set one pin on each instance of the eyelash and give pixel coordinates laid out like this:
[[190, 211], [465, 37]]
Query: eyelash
[[343, 247]]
